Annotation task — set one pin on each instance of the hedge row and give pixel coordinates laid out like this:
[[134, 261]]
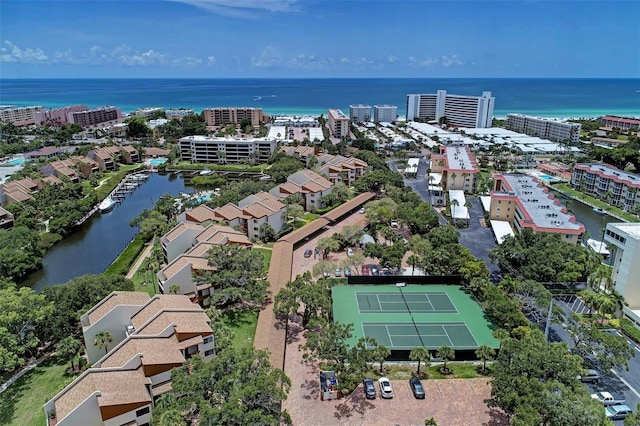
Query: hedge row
[[630, 330]]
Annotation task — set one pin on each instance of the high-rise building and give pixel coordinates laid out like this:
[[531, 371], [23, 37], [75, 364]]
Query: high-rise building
[[224, 116], [360, 113], [92, 117], [19, 116], [58, 115], [338, 123], [546, 128], [385, 113], [459, 110]]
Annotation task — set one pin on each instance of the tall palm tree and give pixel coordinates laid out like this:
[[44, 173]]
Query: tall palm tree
[[68, 347], [102, 340], [606, 305], [455, 203], [485, 353], [446, 353], [420, 354], [413, 260], [501, 334]]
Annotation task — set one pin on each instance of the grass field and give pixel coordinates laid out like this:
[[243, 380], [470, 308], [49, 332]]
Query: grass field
[[266, 253], [243, 324], [21, 404]]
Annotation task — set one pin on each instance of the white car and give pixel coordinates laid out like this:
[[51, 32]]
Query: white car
[[386, 391]]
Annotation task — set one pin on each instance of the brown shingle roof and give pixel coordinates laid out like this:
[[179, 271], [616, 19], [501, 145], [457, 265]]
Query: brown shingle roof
[[200, 214], [196, 263], [229, 212], [345, 208], [161, 302], [114, 299], [180, 228], [154, 350], [257, 210], [301, 233], [186, 323]]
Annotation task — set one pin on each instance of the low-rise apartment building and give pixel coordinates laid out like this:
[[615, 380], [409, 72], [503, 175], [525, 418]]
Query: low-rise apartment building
[[96, 116], [545, 128], [525, 202], [6, 219], [19, 116], [458, 167], [205, 149], [309, 184], [338, 123], [624, 123], [179, 113], [625, 238], [614, 186], [339, 169], [224, 116], [146, 113]]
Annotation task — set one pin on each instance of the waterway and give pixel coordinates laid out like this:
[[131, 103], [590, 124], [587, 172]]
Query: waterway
[[102, 238], [593, 222]]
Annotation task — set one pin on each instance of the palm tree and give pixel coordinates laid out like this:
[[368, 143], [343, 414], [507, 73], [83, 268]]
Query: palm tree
[[174, 288], [380, 354], [68, 347], [455, 203], [430, 422], [413, 260], [102, 340], [446, 353], [606, 305], [485, 353], [501, 334], [420, 354]]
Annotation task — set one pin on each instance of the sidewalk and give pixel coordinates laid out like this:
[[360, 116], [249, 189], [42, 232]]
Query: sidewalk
[[136, 265]]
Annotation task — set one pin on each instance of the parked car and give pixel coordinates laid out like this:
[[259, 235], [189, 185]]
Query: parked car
[[386, 391], [326, 274], [416, 388], [362, 211], [369, 388], [607, 398], [394, 223], [349, 252], [347, 272], [374, 270], [617, 412], [589, 376], [337, 272], [308, 253]]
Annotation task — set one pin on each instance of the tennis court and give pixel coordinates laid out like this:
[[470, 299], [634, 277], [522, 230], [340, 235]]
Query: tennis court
[[404, 317], [400, 302]]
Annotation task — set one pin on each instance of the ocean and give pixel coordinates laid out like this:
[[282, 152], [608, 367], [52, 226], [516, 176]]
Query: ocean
[[539, 97]]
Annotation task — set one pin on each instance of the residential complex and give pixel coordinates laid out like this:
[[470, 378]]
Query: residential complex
[[146, 113], [604, 181], [6, 219], [458, 168], [360, 113], [385, 113], [205, 149], [546, 128], [19, 116], [151, 335], [524, 202], [96, 116], [295, 121], [224, 116], [178, 114], [625, 238], [338, 123], [459, 110], [625, 123], [57, 115], [307, 183]]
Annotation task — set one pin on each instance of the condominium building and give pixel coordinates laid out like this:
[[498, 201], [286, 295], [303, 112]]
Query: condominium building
[[338, 123], [360, 113], [525, 202], [57, 115], [458, 167], [146, 113], [150, 337], [224, 116], [385, 113], [608, 183], [625, 123], [545, 128], [308, 184], [205, 149], [179, 113], [459, 110], [19, 116], [625, 238], [96, 116]]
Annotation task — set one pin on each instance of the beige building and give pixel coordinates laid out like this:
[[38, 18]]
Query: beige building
[[19, 116], [307, 183], [338, 123], [150, 337], [205, 149], [458, 168], [224, 116]]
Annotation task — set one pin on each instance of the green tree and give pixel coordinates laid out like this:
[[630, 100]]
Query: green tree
[[446, 353], [174, 288], [68, 347], [484, 354], [222, 333], [329, 343], [294, 211], [380, 353], [611, 350], [137, 127], [267, 233], [313, 297], [413, 260], [102, 340], [327, 245], [420, 354]]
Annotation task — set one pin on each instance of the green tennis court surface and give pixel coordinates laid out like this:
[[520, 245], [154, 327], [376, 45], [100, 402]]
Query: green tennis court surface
[[430, 335], [401, 302], [403, 318]]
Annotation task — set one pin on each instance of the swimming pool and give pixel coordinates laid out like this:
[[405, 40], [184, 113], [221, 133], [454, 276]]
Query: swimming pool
[[158, 161], [203, 198], [14, 162], [547, 177]]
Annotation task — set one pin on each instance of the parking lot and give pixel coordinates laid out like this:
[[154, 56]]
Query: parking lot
[[573, 303]]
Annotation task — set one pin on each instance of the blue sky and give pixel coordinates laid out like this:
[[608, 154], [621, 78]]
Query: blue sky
[[319, 38]]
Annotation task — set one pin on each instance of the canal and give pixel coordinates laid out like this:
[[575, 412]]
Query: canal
[[102, 238], [593, 222]]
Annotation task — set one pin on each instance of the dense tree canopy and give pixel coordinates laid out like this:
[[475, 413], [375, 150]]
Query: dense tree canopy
[[20, 252], [312, 297]]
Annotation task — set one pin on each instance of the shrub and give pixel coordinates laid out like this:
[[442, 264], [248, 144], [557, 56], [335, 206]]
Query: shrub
[[630, 330]]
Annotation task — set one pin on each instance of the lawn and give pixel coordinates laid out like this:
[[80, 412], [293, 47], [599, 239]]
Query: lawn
[[266, 253], [243, 324], [21, 404], [459, 370]]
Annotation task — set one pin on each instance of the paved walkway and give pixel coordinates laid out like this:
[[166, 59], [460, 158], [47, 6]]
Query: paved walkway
[[30, 366], [136, 265]]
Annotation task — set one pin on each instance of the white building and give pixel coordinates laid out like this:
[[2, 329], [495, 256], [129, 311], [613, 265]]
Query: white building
[[338, 123], [19, 116], [385, 113], [360, 113], [146, 112], [625, 237], [205, 149], [547, 128], [459, 110]]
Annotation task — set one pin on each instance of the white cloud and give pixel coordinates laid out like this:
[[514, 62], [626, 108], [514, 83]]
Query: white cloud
[[12, 53], [344, 60], [429, 62], [412, 59], [305, 61], [211, 60], [447, 61], [392, 58], [269, 58], [144, 59], [242, 8]]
